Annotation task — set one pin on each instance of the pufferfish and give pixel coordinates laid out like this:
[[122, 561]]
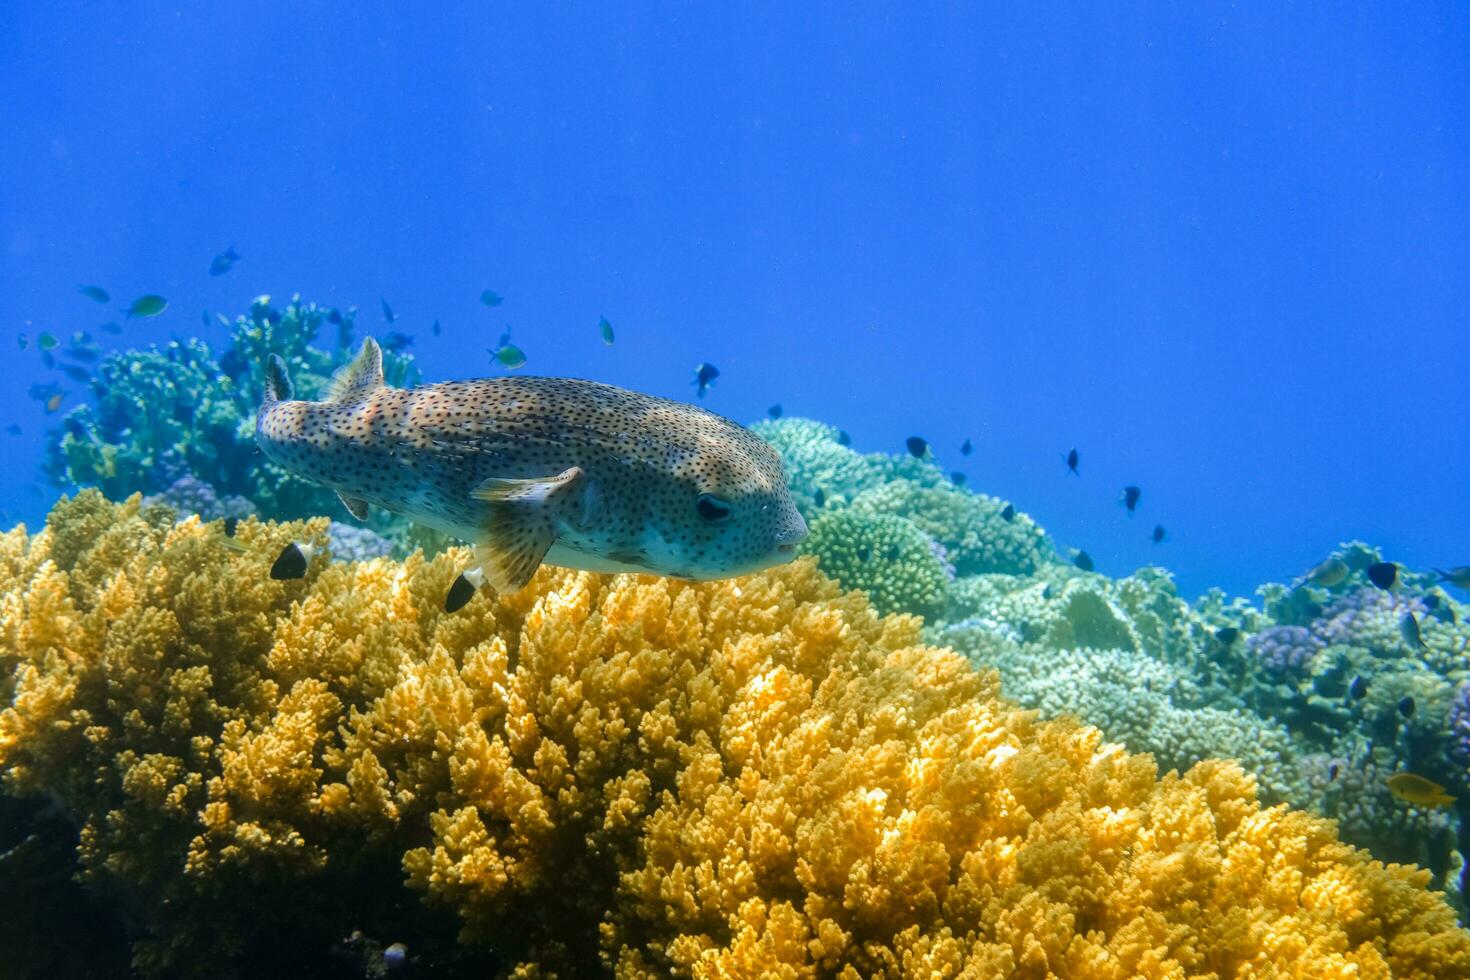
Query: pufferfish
[[531, 470]]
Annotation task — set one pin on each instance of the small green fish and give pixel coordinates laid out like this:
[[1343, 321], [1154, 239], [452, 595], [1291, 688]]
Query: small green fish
[[1329, 573], [47, 341], [95, 293], [491, 298], [1459, 576], [1409, 630], [146, 306], [607, 331], [509, 355]]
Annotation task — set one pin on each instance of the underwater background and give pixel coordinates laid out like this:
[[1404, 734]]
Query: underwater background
[[1218, 252]]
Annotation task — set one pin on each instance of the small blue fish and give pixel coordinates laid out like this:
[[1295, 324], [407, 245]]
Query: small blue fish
[[435, 328], [957, 478], [1072, 460], [1009, 514], [774, 411], [1159, 534], [918, 446], [966, 448], [843, 439], [388, 313], [224, 262], [704, 377], [43, 391], [95, 293], [606, 330], [1130, 497], [491, 298]]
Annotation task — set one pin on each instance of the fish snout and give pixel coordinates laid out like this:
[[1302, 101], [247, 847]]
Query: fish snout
[[791, 534]]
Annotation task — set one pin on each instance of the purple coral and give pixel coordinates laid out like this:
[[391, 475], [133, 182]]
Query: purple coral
[[191, 495], [1460, 724], [1366, 618], [1285, 650]]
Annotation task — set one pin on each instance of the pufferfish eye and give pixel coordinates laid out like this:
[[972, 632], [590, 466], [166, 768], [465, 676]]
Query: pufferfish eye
[[713, 509]]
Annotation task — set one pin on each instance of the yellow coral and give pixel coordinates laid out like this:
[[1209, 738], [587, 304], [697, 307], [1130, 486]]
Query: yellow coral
[[630, 775]]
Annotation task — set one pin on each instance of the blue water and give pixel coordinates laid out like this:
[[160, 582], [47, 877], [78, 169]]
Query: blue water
[[1222, 251]]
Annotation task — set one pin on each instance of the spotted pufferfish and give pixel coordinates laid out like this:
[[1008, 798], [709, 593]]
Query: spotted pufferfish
[[531, 470]]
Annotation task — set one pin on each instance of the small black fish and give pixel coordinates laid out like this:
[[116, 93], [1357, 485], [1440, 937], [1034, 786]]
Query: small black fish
[[1383, 574], [463, 590], [388, 313], [224, 262], [231, 524], [957, 478], [1072, 459], [843, 439], [491, 298], [395, 341], [77, 373], [1159, 533], [918, 446], [965, 448], [704, 376], [291, 562], [819, 497], [1358, 688], [435, 328], [1009, 514], [1332, 771], [1130, 498], [1406, 707], [774, 411], [1227, 635], [1083, 561]]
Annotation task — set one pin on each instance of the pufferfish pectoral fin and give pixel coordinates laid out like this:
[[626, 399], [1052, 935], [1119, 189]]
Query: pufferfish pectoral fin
[[356, 506], [522, 524]]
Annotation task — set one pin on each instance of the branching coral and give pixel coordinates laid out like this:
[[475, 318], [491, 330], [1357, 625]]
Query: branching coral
[[625, 774]]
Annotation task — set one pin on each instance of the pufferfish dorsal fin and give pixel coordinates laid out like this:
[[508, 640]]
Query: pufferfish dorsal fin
[[521, 526], [359, 378], [356, 506]]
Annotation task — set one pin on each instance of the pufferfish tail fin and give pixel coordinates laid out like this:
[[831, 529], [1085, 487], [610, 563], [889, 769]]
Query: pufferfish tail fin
[[278, 386], [358, 379]]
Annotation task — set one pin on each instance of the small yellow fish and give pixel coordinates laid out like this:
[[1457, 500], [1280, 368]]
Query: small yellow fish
[[1418, 791]]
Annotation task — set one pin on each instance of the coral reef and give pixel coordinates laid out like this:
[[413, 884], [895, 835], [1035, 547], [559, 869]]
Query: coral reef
[[622, 774], [177, 412], [896, 564]]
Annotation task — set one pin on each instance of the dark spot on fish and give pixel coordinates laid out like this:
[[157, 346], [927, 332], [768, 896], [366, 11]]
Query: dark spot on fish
[[460, 593], [1406, 707], [290, 563], [918, 446], [1383, 574], [1227, 635], [774, 411], [1083, 561], [1358, 689]]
